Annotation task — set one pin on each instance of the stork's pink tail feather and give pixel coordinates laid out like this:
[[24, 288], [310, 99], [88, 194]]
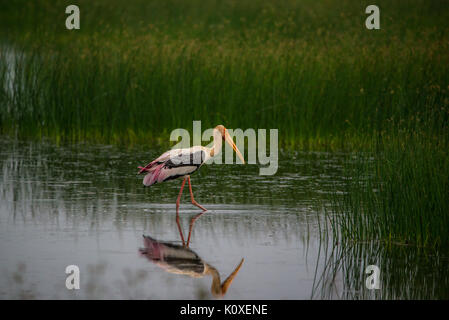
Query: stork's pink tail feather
[[153, 249], [153, 176], [148, 167]]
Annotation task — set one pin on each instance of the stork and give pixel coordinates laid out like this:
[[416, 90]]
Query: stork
[[181, 163]]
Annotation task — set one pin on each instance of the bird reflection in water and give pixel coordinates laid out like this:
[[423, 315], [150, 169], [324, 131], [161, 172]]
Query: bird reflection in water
[[180, 259]]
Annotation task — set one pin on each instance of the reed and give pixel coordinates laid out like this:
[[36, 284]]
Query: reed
[[397, 195], [124, 80]]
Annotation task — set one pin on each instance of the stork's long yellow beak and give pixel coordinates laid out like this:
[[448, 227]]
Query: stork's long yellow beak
[[232, 144], [227, 282]]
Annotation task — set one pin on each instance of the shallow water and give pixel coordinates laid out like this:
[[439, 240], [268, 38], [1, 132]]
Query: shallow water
[[84, 205]]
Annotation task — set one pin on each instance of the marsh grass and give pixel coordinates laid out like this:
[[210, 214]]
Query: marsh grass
[[406, 272], [397, 196], [131, 74], [137, 95]]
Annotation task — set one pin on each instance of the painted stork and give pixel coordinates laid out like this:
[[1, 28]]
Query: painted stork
[[181, 163], [182, 260]]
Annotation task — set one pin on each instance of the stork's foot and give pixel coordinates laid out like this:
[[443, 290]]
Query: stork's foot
[[191, 196], [198, 205], [192, 221]]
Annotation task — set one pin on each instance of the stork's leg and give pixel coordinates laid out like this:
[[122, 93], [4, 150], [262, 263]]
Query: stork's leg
[[191, 196], [180, 231], [191, 225], [177, 211], [179, 197]]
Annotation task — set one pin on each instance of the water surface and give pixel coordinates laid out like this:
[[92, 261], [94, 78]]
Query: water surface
[[84, 205]]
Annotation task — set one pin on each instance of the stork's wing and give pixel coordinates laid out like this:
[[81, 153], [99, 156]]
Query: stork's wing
[[162, 173], [173, 258], [173, 164], [151, 166]]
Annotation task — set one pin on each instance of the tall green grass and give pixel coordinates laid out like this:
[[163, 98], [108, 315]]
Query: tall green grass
[[139, 94], [135, 72], [398, 195], [405, 272]]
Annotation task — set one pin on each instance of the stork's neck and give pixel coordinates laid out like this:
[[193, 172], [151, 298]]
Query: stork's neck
[[215, 289], [218, 141]]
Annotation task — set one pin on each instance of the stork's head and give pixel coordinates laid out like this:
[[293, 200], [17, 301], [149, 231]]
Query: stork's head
[[226, 137], [217, 289]]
